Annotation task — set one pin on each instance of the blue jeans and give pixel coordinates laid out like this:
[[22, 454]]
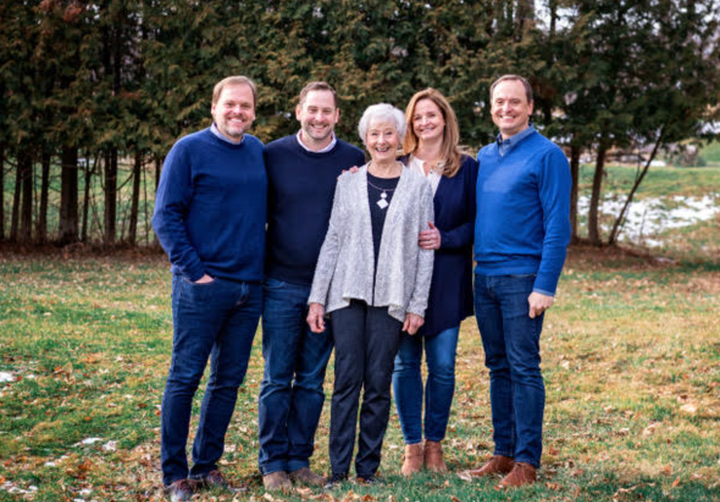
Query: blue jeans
[[216, 320], [512, 354], [408, 386], [291, 394]]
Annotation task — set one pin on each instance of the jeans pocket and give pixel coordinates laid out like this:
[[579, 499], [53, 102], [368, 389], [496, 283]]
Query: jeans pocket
[[273, 284]]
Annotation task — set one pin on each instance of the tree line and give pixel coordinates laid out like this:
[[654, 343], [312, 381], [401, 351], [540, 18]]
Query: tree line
[[93, 94]]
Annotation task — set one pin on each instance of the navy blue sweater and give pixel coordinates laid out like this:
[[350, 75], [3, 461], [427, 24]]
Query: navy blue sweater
[[523, 217], [300, 199], [451, 292], [210, 207]]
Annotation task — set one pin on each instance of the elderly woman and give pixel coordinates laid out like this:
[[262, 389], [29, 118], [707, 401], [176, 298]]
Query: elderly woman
[[431, 148], [373, 279]]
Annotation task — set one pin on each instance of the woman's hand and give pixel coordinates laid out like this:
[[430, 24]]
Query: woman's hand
[[316, 318], [430, 239], [412, 323]]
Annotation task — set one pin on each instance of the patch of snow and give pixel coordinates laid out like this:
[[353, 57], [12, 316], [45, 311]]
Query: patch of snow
[[88, 441], [647, 218]]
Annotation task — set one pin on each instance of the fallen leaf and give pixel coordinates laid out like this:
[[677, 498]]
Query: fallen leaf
[[676, 482], [455, 499], [464, 475]]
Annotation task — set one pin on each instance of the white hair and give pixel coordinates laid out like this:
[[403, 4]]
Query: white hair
[[383, 112]]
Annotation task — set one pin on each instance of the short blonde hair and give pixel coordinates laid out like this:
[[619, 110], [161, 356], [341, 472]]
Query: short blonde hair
[[234, 80], [382, 112]]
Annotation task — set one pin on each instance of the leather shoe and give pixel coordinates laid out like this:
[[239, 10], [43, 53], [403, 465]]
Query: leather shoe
[[521, 475], [306, 477], [179, 491], [215, 479], [434, 460], [276, 481], [413, 459], [498, 464]]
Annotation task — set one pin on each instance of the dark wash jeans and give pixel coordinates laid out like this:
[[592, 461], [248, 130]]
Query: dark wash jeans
[[366, 342], [512, 354], [291, 394], [440, 353], [216, 321]]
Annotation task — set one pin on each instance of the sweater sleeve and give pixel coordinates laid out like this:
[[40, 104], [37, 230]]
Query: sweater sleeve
[[462, 235], [172, 200], [554, 190], [426, 257], [329, 251]]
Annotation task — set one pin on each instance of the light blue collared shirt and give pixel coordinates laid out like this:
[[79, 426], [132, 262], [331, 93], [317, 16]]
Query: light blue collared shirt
[[324, 150], [505, 145], [216, 132]]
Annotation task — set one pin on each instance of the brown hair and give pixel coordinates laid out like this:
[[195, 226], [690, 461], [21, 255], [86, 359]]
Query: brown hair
[[450, 152], [234, 80], [525, 83], [317, 86]]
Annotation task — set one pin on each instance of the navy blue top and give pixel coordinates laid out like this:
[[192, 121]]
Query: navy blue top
[[451, 293], [210, 207], [300, 199], [523, 217], [376, 187]]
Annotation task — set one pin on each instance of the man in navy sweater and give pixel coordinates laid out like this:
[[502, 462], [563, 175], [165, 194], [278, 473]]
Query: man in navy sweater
[[522, 231], [209, 216], [302, 172]]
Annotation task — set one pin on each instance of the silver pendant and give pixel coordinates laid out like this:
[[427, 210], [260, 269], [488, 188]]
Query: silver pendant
[[383, 203]]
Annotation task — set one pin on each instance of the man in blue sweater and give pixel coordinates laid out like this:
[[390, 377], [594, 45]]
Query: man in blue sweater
[[209, 216], [522, 231], [302, 172]]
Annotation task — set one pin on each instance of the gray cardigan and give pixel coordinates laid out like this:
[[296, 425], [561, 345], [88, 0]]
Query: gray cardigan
[[344, 270]]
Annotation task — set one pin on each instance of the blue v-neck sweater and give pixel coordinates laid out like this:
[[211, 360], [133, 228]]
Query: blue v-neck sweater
[[523, 211], [210, 207]]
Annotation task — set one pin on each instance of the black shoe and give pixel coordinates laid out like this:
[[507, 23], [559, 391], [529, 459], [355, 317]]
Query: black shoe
[[370, 480], [179, 491], [334, 481]]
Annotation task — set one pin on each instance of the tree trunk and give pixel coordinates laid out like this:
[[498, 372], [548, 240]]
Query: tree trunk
[[135, 201], [2, 192], [86, 196], [25, 166], [69, 195], [575, 174], [593, 220], [15, 215], [619, 220], [111, 166], [44, 189]]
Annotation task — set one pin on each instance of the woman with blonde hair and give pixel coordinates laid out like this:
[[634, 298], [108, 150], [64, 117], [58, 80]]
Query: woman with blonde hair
[[431, 149]]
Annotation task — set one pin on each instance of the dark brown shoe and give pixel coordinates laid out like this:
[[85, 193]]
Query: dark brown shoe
[[179, 491], [277, 481], [498, 464], [434, 460], [215, 479], [306, 477], [521, 475]]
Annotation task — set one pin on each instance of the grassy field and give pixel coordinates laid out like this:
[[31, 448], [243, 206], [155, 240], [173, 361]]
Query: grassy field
[[631, 357]]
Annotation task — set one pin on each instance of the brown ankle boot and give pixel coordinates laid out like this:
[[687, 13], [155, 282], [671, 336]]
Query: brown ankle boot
[[522, 474], [413, 459], [434, 460], [498, 464]]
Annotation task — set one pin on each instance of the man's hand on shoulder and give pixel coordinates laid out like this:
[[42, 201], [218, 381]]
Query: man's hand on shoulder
[[204, 279], [539, 303]]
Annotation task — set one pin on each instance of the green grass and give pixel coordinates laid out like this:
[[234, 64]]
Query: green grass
[[631, 359], [711, 153]]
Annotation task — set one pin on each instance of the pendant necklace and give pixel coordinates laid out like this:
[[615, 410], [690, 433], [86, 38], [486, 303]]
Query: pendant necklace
[[382, 201]]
